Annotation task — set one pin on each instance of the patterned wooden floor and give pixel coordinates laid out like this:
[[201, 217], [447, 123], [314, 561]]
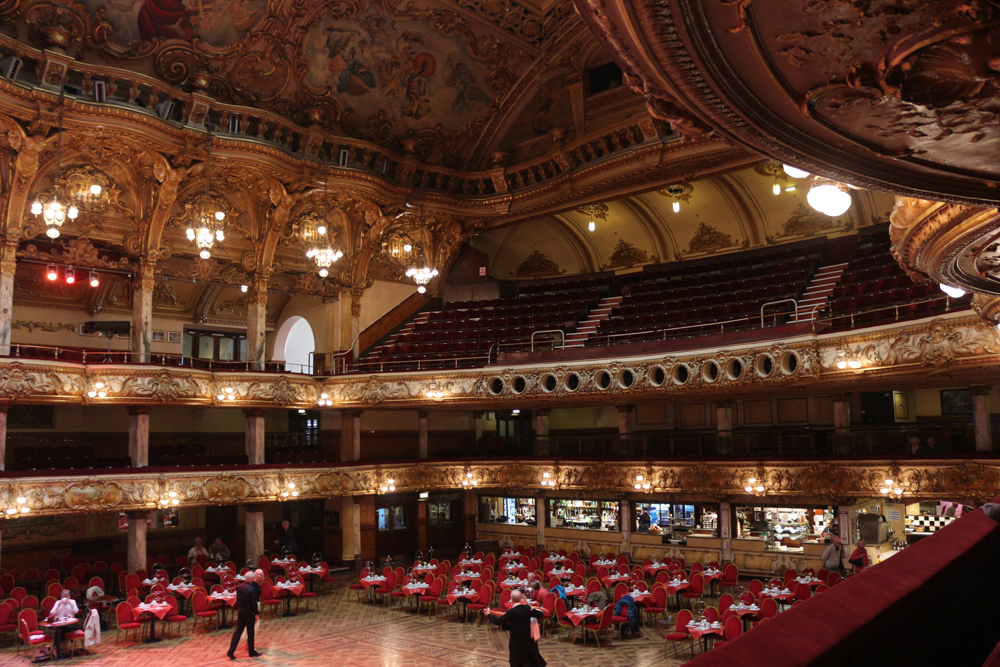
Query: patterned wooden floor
[[343, 630]]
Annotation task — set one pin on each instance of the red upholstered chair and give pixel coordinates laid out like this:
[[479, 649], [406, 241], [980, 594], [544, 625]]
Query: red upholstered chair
[[485, 596], [47, 603], [553, 582], [768, 608], [433, 594], [52, 575], [834, 579], [725, 602], [680, 633], [580, 569], [823, 574], [71, 582], [747, 598], [789, 575], [8, 621], [730, 576], [808, 570], [504, 598], [756, 586], [7, 581], [711, 614], [592, 586], [662, 577], [600, 624], [731, 629], [326, 580], [802, 592], [267, 597], [18, 593], [695, 589], [96, 581], [697, 567], [29, 601], [387, 587], [174, 617], [821, 588], [27, 624], [602, 571], [620, 591], [357, 588], [560, 615], [201, 608]]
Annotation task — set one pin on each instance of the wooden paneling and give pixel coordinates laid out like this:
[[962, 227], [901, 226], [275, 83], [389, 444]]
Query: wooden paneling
[[757, 412], [650, 413], [822, 410], [793, 410], [368, 527], [691, 414]]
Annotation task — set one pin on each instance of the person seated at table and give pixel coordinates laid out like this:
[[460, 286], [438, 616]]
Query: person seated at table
[[217, 548], [65, 607], [538, 592], [196, 550], [286, 543], [934, 449]]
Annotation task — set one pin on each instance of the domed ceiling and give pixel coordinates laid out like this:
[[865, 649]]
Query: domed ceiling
[[723, 213]]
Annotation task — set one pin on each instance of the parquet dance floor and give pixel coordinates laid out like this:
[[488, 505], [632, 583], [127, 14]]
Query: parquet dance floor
[[343, 633]]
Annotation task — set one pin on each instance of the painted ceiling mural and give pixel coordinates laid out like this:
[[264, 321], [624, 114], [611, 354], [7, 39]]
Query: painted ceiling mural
[[423, 79]]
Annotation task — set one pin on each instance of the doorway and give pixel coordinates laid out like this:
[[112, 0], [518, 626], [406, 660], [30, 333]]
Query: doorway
[[445, 527], [396, 526], [306, 518]]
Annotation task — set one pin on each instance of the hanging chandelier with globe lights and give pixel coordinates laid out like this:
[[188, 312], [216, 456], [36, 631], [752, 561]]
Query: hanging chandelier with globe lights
[[422, 276], [825, 195], [207, 225], [317, 235], [53, 206]]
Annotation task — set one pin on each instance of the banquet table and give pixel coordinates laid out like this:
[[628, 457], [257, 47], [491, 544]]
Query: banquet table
[[555, 559], [156, 611], [228, 600], [812, 581], [368, 582], [513, 583], [704, 633], [290, 588], [576, 617], [512, 567], [184, 590], [613, 579], [415, 588], [468, 576], [465, 596], [467, 563], [512, 554], [655, 567], [424, 569], [573, 591], [55, 625], [312, 573], [219, 571], [562, 574], [604, 563]]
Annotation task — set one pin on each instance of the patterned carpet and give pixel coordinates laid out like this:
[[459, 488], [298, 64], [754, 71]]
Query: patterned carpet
[[360, 634]]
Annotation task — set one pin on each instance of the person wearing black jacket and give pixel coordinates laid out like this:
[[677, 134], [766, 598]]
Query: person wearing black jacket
[[248, 604], [523, 647], [287, 539]]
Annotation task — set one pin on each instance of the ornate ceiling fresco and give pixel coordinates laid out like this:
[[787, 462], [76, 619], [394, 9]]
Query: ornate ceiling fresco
[[890, 94], [727, 212]]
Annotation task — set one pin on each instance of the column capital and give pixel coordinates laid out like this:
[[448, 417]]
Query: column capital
[[356, 294], [136, 515], [542, 412], [350, 414], [980, 389], [8, 255], [253, 507], [841, 397], [147, 274], [254, 412], [625, 408], [423, 414], [138, 410]]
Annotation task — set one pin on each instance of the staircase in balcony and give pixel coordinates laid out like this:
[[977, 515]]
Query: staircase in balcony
[[587, 327], [816, 298]]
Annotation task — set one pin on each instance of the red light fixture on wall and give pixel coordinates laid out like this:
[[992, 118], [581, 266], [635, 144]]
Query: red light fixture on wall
[[70, 276], [94, 280], [52, 273]]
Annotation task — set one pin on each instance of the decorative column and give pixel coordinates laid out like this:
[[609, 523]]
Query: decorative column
[[257, 321], [3, 436], [138, 436], [356, 294], [422, 433], [477, 423], [255, 435], [541, 518], [422, 525], [8, 265], [253, 521], [137, 540], [724, 419], [981, 418], [625, 523], [350, 435], [626, 422], [142, 310], [842, 424], [542, 447], [350, 530], [724, 524]]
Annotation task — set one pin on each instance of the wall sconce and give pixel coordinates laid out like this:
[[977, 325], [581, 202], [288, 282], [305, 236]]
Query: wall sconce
[[98, 390], [469, 479], [388, 487], [433, 392], [847, 359], [641, 483], [16, 504], [290, 491], [324, 401], [892, 488], [170, 498], [755, 484], [548, 479], [227, 394]]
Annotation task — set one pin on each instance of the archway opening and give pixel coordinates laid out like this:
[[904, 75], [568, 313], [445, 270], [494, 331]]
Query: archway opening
[[296, 342]]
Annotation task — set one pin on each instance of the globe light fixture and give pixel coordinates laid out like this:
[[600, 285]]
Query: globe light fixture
[[794, 172], [953, 292], [207, 224], [828, 197]]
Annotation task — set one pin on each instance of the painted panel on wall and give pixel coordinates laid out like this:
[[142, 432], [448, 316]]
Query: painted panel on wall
[[792, 410], [757, 412], [650, 413], [691, 414], [822, 410]]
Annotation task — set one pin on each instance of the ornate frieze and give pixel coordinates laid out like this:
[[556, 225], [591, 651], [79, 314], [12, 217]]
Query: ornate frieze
[[970, 482]]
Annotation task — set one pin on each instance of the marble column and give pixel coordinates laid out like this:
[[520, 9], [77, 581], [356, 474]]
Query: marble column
[[981, 418], [138, 436], [422, 433], [356, 295], [8, 265], [350, 435], [257, 321], [625, 523], [842, 443], [142, 310], [724, 419], [3, 436], [253, 521], [626, 422], [541, 512], [542, 445], [137, 540], [255, 435]]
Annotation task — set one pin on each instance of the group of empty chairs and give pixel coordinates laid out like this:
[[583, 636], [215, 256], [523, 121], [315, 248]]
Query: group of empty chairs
[[41, 457]]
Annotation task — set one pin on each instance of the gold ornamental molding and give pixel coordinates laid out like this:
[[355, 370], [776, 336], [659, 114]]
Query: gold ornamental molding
[[969, 482], [961, 343]]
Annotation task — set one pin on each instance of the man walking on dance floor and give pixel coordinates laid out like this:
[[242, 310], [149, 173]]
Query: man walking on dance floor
[[248, 603]]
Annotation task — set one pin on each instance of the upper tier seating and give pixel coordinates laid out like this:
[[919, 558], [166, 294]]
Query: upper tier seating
[[38, 457], [729, 292], [874, 289], [465, 332]]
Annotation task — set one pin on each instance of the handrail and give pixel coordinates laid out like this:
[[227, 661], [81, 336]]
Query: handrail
[[561, 333], [774, 303]]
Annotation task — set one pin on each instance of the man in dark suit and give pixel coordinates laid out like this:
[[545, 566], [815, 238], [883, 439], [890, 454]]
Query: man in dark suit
[[248, 605], [523, 647], [287, 539]]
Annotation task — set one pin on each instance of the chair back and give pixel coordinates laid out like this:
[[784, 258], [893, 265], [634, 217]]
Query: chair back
[[134, 601], [390, 580], [577, 580], [5, 612], [711, 615], [732, 628], [662, 577], [728, 614], [747, 598], [18, 593], [553, 582], [71, 582], [592, 586], [623, 569], [79, 572], [560, 607], [96, 581], [7, 581], [756, 586], [768, 608], [53, 589], [29, 601], [485, 595], [697, 567], [802, 592], [399, 573], [549, 603], [641, 585], [27, 622], [47, 603], [725, 602], [602, 571], [580, 569], [131, 581], [808, 570], [789, 575], [821, 588], [659, 596], [52, 575], [775, 583], [823, 574], [697, 584], [683, 618], [834, 579], [606, 615], [199, 601], [731, 573], [714, 564], [620, 590]]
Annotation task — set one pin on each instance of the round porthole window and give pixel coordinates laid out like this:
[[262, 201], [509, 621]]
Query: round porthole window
[[602, 380], [764, 365], [680, 374], [789, 363], [656, 376], [549, 383], [734, 369], [626, 378], [572, 382], [496, 386], [519, 385], [710, 371]]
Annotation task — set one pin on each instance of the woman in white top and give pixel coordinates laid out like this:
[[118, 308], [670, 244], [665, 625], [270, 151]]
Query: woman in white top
[[65, 607]]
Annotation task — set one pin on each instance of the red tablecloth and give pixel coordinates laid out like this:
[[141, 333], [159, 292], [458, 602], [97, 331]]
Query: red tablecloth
[[613, 579], [562, 574], [219, 572], [185, 592], [642, 598], [295, 589], [159, 611], [230, 599], [672, 589], [415, 590], [368, 584], [653, 569], [424, 569], [577, 618], [698, 631], [575, 592], [746, 612], [515, 583], [711, 577], [454, 597], [468, 577]]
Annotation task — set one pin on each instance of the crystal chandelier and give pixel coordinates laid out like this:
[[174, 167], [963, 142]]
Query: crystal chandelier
[[54, 208], [421, 276], [207, 225], [317, 235]]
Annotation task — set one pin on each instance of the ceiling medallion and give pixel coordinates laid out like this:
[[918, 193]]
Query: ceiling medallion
[[679, 192], [597, 210]]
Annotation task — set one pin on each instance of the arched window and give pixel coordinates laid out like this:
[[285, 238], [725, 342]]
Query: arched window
[[295, 342]]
